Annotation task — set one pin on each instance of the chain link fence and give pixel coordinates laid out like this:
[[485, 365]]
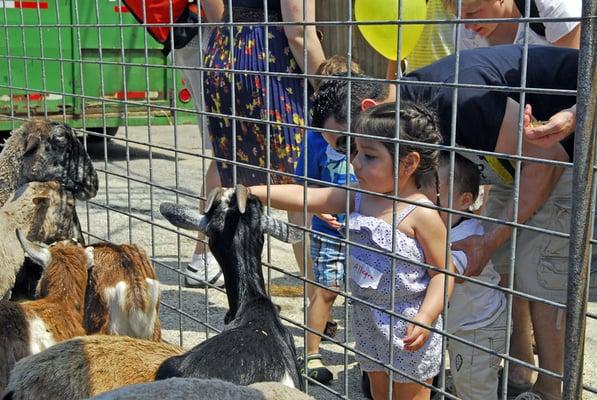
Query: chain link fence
[[145, 120]]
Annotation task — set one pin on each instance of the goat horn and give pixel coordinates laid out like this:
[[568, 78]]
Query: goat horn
[[214, 194], [281, 230], [38, 252], [184, 217], [241, 197]]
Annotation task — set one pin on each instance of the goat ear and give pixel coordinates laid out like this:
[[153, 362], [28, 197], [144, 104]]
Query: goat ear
[[89, 256], [184, 217], [281, 230], [32, 143], [211, 197], [38, 252], [40, 198], [242, 193]]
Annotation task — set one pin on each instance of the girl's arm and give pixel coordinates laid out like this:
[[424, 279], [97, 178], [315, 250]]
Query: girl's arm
[[431, 235], [301, 36], [291, 198]]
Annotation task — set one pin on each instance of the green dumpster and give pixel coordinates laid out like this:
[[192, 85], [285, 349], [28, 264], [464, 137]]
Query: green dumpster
[[87, 63]]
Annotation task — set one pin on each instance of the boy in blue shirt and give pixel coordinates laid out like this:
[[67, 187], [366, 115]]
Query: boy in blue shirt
[[326, 160]]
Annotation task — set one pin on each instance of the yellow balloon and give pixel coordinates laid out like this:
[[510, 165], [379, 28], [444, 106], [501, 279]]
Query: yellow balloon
[[384, 38]]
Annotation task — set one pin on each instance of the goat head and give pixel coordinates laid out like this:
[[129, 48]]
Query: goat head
[[53, 152], [222, 199]]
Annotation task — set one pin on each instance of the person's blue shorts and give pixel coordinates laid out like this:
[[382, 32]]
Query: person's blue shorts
[[328, 261]]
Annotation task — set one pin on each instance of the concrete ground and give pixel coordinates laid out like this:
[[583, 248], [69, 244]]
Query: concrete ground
[[136, 175]]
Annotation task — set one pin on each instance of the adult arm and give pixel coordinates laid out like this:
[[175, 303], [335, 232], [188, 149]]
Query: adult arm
[[302, 36], [213, 9], [571, 39], [542, 178], [290, 198], [559, 126]]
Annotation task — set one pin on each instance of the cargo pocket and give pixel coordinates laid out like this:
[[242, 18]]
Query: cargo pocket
[[559, 222], [552, 272]]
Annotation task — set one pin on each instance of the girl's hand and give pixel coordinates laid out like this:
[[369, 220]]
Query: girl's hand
[[330, 219], [416, 336], [545, 135]]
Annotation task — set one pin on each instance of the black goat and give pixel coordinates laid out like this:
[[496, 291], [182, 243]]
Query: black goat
[[255, 346]]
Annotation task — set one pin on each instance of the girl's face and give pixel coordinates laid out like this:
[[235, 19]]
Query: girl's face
[[483, 9], [374, 166]]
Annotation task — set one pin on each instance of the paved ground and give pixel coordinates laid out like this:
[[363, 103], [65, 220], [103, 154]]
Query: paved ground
[[125, 210]]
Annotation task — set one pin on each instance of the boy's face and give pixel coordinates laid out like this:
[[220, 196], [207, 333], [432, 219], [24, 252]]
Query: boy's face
[[478, 9], [330, 138]]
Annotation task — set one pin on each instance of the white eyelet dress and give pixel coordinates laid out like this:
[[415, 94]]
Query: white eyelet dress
[[370, 281]]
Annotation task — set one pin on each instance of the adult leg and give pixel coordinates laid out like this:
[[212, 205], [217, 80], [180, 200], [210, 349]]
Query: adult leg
[[521, 343], [549, 325]]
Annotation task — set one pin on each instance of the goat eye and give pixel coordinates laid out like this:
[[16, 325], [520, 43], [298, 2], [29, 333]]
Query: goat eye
[[59, 141]]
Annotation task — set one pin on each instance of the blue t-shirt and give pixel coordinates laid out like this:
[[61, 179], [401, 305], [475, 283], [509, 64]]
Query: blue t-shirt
[[326, 164]]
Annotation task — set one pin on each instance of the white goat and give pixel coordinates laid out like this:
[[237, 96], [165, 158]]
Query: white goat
[[33, 326], [203, 389]]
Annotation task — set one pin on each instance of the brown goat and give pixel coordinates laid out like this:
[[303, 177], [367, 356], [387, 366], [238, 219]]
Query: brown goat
[[87, 366], [123, 294], [33, 326]]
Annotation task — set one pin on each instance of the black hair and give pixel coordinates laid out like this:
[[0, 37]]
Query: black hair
[[417, 124], [330, 99], [467, 176]]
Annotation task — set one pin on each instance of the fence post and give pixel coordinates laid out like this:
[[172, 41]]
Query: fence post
[[581, 230]]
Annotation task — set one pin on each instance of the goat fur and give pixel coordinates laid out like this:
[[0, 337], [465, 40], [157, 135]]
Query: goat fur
[[87, 366], [32, 326], [203, 389], [38, 209], [123, 296], [255, 347]]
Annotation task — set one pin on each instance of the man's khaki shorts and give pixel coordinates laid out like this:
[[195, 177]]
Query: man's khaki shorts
[[541, 263]]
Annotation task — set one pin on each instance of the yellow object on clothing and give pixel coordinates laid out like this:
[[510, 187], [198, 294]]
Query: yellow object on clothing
[[436, 40]]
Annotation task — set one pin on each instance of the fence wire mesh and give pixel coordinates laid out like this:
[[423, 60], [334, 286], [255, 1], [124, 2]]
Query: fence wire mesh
[[146, 118]]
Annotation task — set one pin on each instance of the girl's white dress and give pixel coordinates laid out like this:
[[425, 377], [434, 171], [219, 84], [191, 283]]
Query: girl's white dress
[[371, 282]]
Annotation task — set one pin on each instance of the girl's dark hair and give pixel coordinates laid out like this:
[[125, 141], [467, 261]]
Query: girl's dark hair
[[417, 124]]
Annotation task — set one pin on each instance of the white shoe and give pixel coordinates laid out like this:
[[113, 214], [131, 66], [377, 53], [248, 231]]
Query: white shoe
[[196, 276]]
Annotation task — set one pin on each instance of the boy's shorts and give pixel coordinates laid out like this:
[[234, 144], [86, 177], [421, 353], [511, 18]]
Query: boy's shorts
[[328, 260], [475, 372], [541, 267]]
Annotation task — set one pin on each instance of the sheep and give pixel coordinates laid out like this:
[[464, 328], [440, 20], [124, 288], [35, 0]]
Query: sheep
[[39, 209], [42, 150], [255, 347], [203, 389], [31, 327], [87, 366], [123, 293]]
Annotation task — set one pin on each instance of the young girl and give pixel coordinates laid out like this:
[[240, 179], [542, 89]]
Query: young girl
[[420, 235]]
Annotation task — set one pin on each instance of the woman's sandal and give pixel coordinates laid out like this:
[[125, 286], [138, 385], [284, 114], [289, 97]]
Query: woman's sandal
[[315, 369], [529, 396], [514, 388], [331, 327]]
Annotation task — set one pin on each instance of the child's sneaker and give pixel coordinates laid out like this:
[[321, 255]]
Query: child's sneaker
[[315, 368], [195, 272]]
